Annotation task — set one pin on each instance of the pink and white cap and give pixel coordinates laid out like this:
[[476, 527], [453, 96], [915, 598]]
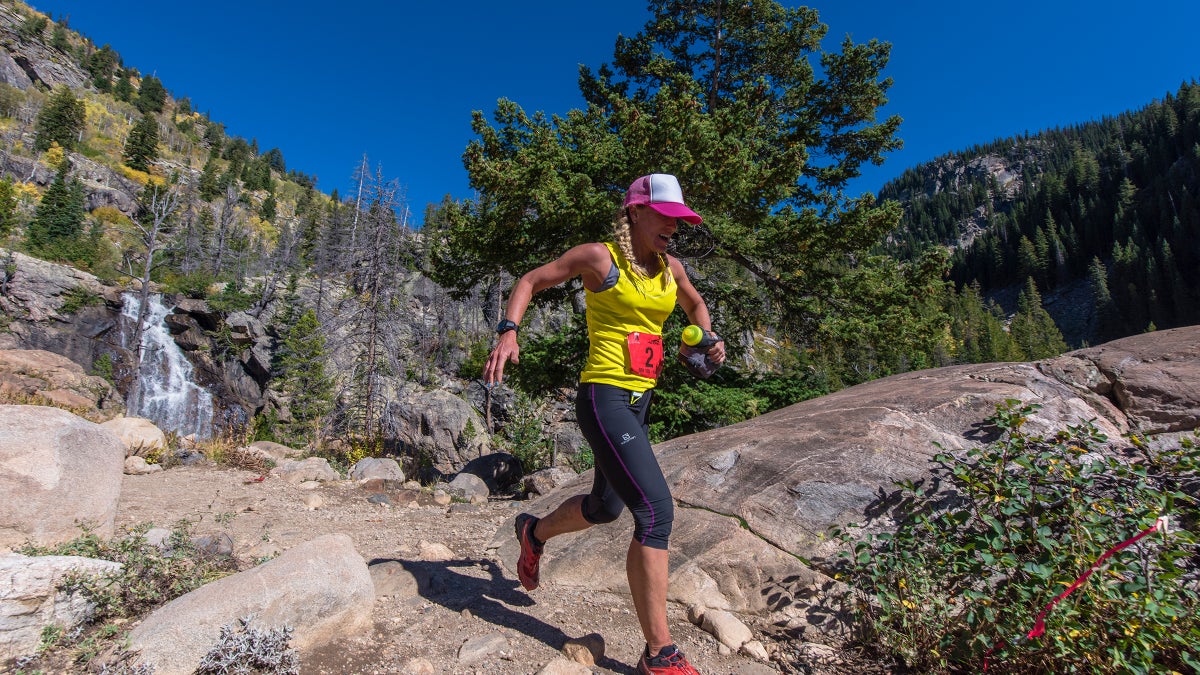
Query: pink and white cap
[[661, 192]]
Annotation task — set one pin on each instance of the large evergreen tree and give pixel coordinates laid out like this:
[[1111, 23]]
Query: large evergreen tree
[[123, 89], [151, 95], [727, 96], [141, 147], [57, 228], [60, 121], [1033, 329], [303, 379]]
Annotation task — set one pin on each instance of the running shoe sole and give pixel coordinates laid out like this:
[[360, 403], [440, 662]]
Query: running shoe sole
[[530, 560]]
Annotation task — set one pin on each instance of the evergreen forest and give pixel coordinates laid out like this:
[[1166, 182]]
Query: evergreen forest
[[1113, 205]]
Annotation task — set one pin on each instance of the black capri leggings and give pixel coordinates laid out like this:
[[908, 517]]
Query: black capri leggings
[[616, 423]]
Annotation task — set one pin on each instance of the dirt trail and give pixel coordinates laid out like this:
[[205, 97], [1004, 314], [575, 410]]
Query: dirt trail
[[471, 595]]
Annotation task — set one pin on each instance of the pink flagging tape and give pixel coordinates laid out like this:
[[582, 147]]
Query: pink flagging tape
[[1039, 625]]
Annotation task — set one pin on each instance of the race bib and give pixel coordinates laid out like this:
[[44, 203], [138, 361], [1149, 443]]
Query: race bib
[[645, 354]]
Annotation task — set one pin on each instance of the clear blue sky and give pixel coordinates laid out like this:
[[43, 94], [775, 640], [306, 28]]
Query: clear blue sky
[[327, 82]]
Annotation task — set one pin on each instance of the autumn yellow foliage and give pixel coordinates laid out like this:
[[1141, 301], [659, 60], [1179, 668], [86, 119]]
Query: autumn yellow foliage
[[54, 155], [111, 215], [141, 177], [28, 191]]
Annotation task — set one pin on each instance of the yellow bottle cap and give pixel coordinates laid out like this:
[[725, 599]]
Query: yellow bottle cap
[[692, 335]]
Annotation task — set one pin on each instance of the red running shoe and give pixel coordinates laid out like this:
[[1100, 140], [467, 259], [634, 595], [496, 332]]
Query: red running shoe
[[670, 661], [531, 551]]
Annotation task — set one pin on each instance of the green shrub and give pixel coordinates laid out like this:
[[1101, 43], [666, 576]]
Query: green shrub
[[150, 576], [1011, 526], [478, 351], [525, 436], [231, 299], [102, 366], [583, 460], [192, 284], [78, 297]]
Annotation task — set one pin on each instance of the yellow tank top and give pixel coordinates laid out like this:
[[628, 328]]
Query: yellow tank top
[[634, 305]]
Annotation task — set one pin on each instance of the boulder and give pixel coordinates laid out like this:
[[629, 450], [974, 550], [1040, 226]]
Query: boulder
[[481, 648], [308, 469], [439, 425], [500, 470], [36, 299], [199, 311], [726, 628], [57, 471], [1150, 380], [244, 329], [321, 588], [757, 498], [31, 598], [469, 487], [276, 452], [39, 376], [142, 438], [393, 579], [382, 468], [547, 480], [138, 466]]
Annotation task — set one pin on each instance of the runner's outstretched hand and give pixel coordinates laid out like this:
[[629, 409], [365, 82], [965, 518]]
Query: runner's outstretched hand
[[506, 351]]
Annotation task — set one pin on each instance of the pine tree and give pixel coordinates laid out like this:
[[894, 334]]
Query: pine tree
[[8, 207], [303, 379], [58, 39], [1032, 327], [1108, 319], [151, 96], [726, 97], [257, 174], [210, 181], [978, 329], [57, 228], [101, 65], [141, 147], [123, 89], [60, 121]]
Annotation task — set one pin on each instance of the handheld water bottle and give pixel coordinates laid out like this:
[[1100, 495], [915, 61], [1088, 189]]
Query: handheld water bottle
[[695, 342]]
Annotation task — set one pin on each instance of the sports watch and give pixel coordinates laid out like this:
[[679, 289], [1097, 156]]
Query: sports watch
[[505, 326]]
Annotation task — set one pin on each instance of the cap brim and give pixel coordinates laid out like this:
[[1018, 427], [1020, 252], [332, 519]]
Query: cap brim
[[677, 210]]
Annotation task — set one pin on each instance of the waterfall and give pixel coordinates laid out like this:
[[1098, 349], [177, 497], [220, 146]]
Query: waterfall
[[164, 391]]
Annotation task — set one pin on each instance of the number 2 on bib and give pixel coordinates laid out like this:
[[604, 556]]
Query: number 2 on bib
[[645, 354]]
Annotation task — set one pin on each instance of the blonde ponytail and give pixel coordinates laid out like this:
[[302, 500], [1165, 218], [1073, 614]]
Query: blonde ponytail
[[623, 237]]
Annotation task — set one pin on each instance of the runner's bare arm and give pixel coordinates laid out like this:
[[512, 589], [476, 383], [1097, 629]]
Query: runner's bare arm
[[591, 261]]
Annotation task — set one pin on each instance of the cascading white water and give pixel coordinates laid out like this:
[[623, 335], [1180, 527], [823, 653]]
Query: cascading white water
[[164, 391]]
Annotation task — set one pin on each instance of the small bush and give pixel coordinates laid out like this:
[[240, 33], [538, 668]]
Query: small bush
[[245, 649], [582, 460], [103, 367], [1011, 526], [78, 297], [525, 436], [231, 299], [150, 576]]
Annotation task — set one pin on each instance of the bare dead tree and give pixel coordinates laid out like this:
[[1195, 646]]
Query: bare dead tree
[[226, 217], [151, 226], [376, 264]]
